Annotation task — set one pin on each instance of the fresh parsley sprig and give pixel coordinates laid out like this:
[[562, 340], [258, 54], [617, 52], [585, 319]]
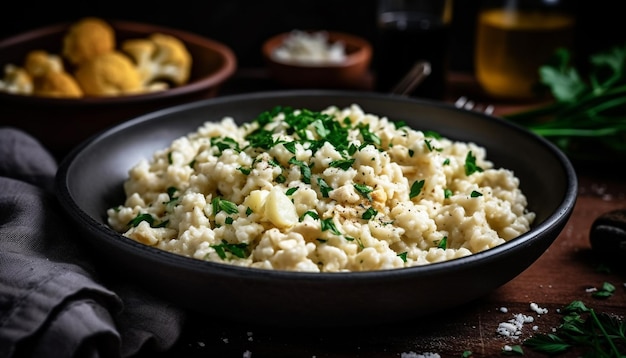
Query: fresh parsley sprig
[[588, 115], [600, 334]]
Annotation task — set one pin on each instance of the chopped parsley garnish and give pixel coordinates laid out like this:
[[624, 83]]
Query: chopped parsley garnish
[[290, 146], [147, 218], [447, 193], [261, 138], [597, 334], [364, 190], [402, 255], [370, 213], [328, 224], [369, 137], [605, 291], [344, 164], [310, 213], [476, 194], [416, 188], [443, 243], [305, 170], [290, 191], [432, 134], [324, 187], [238, 250], [223, 205], [399, 124], [470, 164], [223, 143]]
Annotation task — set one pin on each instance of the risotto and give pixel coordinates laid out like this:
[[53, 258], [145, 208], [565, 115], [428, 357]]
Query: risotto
[[329, 191]]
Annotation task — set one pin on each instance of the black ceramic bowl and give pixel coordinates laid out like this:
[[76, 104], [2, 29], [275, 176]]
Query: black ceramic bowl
[[90, 181]]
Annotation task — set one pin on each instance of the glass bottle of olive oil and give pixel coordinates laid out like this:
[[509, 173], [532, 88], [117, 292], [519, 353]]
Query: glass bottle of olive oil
[[516, 37]]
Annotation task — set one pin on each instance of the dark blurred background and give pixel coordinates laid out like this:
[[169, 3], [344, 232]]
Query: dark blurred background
[[244, 24]]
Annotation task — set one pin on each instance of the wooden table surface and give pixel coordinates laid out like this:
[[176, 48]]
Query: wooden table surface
[[567, 271]]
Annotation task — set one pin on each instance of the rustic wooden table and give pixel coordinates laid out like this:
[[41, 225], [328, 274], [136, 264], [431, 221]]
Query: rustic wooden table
[[569, 270]]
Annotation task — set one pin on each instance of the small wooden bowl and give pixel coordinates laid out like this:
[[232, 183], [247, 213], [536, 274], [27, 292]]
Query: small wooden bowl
[[349, 74], [62, 123]]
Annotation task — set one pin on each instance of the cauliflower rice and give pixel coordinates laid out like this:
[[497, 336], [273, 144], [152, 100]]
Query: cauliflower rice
[[330, 191]]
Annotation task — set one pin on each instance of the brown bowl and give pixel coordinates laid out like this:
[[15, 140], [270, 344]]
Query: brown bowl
[[349, 74], [62, 123]]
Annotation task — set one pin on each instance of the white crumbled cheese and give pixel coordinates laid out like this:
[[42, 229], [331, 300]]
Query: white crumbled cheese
[[419, 355], [513, 327], [504, 309], [247, 354], [307, 48], [349, 191], [535, 307]]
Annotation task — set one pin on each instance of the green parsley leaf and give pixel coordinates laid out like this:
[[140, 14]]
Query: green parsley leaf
[[470, 164], [443, 243], [416, 188], [328, 224], [344, 164], [305, 170], [368, 136], [310, 213], [364, 190], [370, 213], [290, 146], [605, 291], [325, 189], [223, 205], [141, 217], [238, 250]]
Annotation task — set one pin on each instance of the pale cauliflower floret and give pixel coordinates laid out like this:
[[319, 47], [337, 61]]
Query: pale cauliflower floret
[[86, 39], [161, 58], [16, 80], [109, 74]]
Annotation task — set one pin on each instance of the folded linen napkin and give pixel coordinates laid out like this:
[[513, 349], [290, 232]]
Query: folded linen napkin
[[54, 302]]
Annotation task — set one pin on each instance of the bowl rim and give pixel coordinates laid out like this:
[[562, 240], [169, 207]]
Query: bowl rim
[[562, 212], [221, 74], [362, 54]]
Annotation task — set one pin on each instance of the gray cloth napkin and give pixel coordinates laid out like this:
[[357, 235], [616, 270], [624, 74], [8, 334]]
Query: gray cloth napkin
[[54, 301]]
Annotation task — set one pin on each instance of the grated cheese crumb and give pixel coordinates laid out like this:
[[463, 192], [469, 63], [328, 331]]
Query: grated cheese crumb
[[419, 355], [247, 354], [535, 307], [513, 327]]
